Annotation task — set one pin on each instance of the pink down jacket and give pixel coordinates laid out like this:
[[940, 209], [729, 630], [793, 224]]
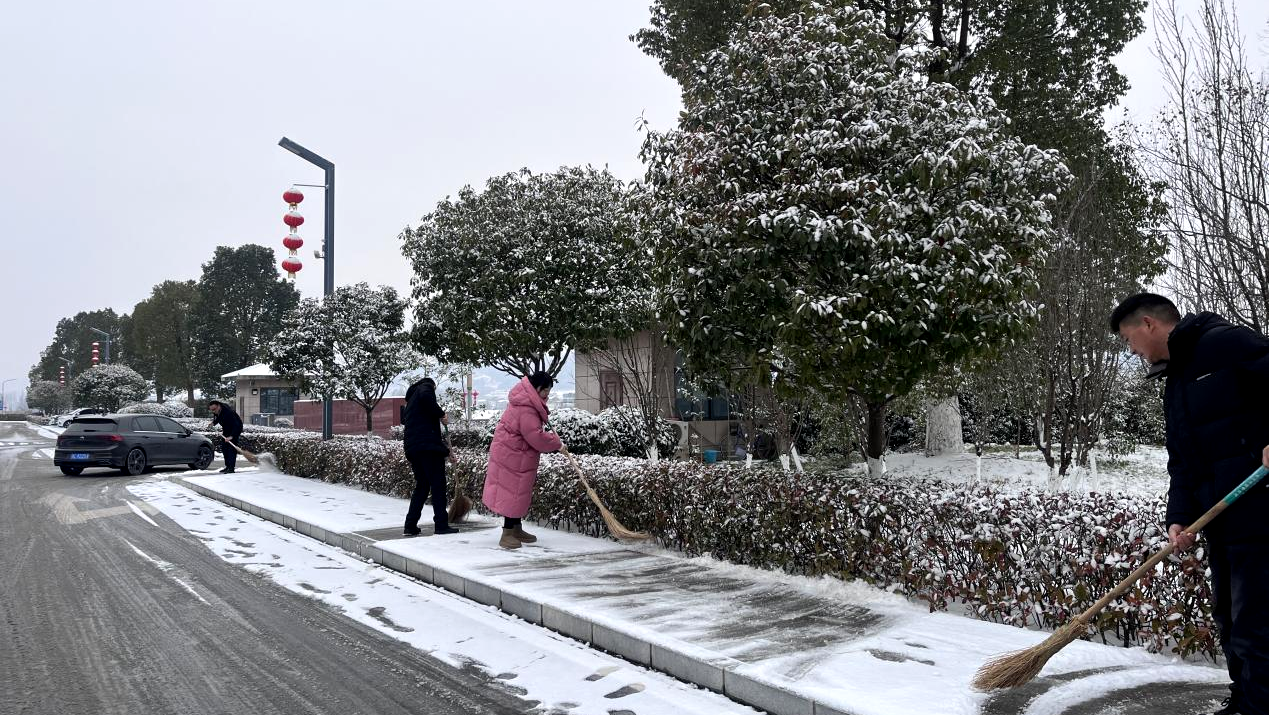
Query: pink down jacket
[[517, 447]]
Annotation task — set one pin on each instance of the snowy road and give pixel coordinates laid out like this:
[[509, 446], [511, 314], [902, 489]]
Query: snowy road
[[109, 607]]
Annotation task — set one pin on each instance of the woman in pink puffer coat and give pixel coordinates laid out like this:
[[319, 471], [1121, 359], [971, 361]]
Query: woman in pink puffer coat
[[518, 444]]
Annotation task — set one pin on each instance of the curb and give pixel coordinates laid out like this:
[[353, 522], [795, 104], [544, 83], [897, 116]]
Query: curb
[[718, 674]]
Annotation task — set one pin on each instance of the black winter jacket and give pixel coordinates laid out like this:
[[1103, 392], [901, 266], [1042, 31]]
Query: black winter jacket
[[1217, 407], [229, 421], [423, 421]]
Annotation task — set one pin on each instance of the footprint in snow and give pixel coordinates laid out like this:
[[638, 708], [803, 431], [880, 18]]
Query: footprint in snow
[[603, 672], [630, 689]]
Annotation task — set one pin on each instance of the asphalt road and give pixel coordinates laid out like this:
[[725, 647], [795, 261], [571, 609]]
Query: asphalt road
[[92, 627]]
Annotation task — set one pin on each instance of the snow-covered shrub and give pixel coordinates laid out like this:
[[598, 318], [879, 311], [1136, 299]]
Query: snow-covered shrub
[[108, 387], [461, 435], [285, 422], [625, 433], [171, 408], [582, 431]]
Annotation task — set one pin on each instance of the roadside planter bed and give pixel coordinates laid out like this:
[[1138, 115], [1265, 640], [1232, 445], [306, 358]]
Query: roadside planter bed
[[1029, 559]]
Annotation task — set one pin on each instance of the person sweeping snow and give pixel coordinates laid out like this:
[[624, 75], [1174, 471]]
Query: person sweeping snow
[[426, 450], [518, 444]]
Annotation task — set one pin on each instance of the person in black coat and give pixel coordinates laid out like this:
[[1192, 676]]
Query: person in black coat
[[426, 449], [231, 430], [1216, 401]]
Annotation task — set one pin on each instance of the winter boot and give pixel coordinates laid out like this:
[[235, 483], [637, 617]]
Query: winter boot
[[509, 540], [523, 536]]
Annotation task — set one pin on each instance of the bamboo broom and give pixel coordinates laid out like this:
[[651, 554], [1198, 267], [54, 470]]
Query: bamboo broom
[[1018, 668], [614, 527], [250, 456], [461, 505]]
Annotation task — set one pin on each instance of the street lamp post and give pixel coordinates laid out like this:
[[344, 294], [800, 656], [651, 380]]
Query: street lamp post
[[328, 241], [105, 354], [4, 396]]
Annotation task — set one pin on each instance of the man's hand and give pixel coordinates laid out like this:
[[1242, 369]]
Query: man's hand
[[445, 419], [453, 459], [1264, 457], [1180, 540]]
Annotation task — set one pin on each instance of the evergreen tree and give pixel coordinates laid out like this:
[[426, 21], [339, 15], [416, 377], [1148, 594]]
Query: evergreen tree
[[833, 214], [239, 307], [350, 345], [521, 274]]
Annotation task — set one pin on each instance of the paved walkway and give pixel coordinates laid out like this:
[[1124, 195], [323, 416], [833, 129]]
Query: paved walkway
[[783, 644]]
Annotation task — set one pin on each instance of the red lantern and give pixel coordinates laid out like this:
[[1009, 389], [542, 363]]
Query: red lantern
[[293, 242]]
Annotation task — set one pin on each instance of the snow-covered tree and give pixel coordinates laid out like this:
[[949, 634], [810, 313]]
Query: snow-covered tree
[[49, 395], [351, 345], [830, 210], [109, 387], [519, 275]]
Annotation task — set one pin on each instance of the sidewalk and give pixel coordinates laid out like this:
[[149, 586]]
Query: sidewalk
[[787, 645]]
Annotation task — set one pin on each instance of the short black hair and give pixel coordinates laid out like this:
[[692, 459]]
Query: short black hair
[[1141, 304], [540, 380], [215, 402]]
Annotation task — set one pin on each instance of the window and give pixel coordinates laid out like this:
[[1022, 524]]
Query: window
[[145, 424], [698, 405], [168, 425], [611, 390], [278, 400]]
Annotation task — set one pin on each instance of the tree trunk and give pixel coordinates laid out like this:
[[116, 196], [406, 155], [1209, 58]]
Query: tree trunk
[[370, 423], [158, 392], [878, 439], [943, 427]]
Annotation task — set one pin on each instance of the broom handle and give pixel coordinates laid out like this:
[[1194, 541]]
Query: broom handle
[[1162, 554], [240, 450], [576, 468]]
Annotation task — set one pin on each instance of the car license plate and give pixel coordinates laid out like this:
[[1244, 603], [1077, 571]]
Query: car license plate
[[79, 455]]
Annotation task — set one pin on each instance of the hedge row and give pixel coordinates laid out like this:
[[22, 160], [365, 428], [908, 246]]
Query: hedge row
[[1031, 559], [614, 432]]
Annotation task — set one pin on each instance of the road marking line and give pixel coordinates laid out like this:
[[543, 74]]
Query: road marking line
[[167, 569], [140, 513]]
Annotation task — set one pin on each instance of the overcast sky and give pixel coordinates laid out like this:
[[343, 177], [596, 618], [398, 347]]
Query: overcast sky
[[137, 136]]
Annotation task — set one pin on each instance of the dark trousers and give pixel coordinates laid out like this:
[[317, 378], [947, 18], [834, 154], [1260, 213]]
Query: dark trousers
[[231, 454], [509, 523], [1240, 605], [429, 476]]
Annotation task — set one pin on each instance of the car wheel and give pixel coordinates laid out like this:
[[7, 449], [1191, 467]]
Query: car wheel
[[134, 464], [204, 459], [72, 471]]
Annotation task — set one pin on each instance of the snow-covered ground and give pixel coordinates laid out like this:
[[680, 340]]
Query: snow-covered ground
[[560, 673], [1142, 472]]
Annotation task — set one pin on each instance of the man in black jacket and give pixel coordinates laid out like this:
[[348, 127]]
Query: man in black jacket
[[230, 429], [1216, 402], [426, 449]]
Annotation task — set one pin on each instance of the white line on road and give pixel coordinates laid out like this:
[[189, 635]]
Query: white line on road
[[132, 505], [167, 569]]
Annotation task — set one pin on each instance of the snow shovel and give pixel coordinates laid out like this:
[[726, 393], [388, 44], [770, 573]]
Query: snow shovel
[[461, 505], [1018, 668], [614, 527]]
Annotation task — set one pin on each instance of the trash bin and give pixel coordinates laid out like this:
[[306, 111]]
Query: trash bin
[[710, 456]]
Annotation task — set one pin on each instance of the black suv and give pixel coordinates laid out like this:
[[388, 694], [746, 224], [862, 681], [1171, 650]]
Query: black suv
[[132, 443]]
